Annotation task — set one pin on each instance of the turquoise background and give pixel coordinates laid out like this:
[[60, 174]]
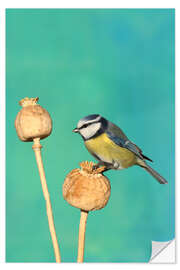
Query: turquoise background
[[118, 63]]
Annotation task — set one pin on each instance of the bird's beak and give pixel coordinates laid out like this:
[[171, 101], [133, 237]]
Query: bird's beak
[[75, 130]]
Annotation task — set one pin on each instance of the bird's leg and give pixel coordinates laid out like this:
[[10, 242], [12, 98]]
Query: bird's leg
[[108, 166], [99, 164]]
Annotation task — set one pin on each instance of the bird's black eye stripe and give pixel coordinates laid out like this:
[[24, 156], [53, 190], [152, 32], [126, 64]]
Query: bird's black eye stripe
[[91, 123], [84, 126]]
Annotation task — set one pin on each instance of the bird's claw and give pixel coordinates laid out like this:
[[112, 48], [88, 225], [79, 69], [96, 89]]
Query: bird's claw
[[95, 167]]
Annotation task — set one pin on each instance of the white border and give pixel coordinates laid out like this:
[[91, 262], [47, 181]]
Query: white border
[[2, 135], [89, 4], [74, 4]]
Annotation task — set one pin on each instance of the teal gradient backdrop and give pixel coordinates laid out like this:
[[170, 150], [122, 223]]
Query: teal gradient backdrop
[[118, 63]]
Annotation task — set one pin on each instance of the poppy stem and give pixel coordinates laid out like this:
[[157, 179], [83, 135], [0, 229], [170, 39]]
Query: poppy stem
[[37, 150]]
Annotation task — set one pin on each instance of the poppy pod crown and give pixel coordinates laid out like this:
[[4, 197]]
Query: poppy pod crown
[[87, 188]]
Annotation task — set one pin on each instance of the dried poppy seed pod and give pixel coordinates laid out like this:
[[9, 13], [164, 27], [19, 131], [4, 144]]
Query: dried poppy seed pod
[[32, 121], [87, 188]]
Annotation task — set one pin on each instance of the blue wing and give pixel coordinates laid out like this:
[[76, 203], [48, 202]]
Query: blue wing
[[119, 138]]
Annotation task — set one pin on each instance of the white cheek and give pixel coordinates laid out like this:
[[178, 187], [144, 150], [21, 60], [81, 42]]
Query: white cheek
[[90, 131]]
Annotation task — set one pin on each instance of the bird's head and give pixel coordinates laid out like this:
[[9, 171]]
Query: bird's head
[[91, 126]]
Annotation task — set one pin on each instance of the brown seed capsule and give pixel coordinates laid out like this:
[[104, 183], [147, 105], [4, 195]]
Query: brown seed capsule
[[32, 121], [87, 188], [32, 124]]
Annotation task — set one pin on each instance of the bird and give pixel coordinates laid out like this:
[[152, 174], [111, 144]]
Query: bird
[[111, 147]]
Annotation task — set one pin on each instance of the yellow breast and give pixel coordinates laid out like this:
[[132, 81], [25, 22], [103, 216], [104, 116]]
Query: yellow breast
[[110, 152]]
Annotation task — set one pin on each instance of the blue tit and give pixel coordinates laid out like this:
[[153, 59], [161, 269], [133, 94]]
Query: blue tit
[[111, 147]]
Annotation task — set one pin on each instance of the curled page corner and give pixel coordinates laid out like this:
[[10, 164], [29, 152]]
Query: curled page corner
[[163, 252]]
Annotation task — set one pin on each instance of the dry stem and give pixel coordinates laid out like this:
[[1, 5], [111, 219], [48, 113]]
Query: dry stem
[[37, 149], [82, 230]]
